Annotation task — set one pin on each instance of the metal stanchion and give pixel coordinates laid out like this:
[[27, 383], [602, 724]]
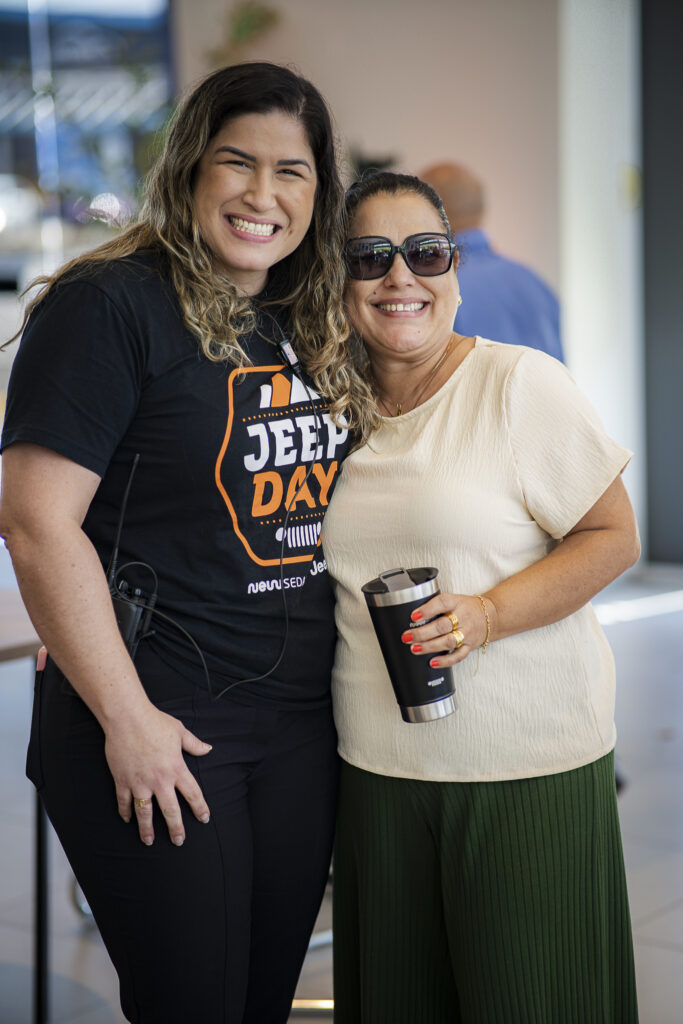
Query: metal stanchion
[[41, 1011]]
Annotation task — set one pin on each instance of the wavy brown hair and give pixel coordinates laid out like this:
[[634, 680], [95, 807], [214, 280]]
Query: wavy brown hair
[[306, 286]]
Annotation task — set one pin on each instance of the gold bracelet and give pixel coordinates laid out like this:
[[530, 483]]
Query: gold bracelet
[[488, 624]]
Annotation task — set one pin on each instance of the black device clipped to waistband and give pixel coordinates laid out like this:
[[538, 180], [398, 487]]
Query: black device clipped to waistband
[[134, 607]]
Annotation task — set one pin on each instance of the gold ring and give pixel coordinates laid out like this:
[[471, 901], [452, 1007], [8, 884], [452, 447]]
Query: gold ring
[[144, 801], [459, 638], [454, 619]]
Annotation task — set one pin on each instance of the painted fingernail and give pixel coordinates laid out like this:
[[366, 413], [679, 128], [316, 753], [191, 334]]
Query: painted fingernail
[[416, 616], [416, 648], [178, 840], [204, 818], [434, 662], [407, 638]]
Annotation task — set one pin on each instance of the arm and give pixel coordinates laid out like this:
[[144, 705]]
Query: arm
[[42, 507], [598, 549]]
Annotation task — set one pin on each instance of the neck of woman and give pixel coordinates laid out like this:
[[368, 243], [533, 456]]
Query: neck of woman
[[406, 380]]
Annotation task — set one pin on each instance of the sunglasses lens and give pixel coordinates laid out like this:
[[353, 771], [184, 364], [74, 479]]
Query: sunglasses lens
[[428, 255], [368, 258]]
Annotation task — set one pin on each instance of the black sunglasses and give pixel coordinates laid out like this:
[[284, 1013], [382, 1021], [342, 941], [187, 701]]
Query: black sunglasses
[[371, 256]]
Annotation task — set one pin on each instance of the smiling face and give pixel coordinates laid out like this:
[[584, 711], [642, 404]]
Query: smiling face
[[401, 316], [254, 194]]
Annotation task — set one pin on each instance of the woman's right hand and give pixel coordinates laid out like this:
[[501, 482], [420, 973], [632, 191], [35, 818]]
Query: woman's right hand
[[145, 757]]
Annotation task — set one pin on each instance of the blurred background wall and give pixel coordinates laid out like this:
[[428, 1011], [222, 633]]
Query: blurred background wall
[[422, 80]]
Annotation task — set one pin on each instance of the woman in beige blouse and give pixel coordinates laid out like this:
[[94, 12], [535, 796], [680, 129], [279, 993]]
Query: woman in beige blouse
[[479, 875]]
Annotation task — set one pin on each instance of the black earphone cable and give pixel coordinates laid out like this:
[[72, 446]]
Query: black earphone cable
[[149, 605], [292, 361]]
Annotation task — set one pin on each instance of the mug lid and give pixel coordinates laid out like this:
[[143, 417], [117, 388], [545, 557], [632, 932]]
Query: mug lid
[[399, 586]]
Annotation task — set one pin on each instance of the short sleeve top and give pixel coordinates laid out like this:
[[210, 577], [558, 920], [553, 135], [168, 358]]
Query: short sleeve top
[[481, 481], [107, 369]]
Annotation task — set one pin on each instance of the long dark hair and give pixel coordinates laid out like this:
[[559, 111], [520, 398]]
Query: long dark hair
[[393, 184], [308, 284], [254, 88]]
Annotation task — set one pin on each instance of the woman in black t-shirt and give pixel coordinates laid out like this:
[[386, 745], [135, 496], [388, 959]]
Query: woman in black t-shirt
[[199, 828]]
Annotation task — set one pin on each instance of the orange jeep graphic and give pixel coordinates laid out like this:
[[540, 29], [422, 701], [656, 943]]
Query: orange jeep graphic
[[279, 437]]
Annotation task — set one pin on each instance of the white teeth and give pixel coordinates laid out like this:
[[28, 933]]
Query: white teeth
[[401, 307], [252, 228]]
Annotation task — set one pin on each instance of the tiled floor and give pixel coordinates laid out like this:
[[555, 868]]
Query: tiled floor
[[648, 646]]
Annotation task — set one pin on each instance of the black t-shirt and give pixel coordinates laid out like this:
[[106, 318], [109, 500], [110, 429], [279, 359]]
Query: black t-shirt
[[107, 369]]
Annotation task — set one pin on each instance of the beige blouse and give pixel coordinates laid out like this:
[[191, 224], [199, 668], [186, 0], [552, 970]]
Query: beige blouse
[[480, 481]]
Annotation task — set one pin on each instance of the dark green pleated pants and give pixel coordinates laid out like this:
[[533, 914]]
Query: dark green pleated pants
[[482, 903]]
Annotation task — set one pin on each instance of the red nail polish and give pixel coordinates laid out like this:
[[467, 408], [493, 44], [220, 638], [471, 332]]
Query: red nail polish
[[407, 638], [434, 662], [416, 616], [416, 648]]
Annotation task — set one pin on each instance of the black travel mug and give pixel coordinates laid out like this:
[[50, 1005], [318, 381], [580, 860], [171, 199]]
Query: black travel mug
[[423, 693]]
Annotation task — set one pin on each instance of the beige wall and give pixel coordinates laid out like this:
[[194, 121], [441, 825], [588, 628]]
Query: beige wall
[[426, 80]]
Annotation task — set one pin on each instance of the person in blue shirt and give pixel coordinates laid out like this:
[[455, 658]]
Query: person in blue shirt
[[502, 300]]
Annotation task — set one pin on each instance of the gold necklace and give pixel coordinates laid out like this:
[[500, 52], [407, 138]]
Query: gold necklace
[[423, 385]]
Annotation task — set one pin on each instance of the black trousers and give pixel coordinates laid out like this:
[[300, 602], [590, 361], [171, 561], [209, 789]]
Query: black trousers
[[215, 931]]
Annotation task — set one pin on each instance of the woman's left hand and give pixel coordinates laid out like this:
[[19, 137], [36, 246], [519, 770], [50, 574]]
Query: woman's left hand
[[458, 626]]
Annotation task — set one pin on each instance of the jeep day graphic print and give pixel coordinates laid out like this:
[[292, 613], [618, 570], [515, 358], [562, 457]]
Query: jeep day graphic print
[[276, 429]]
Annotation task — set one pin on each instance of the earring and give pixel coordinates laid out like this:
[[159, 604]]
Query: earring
[[460, 300]]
